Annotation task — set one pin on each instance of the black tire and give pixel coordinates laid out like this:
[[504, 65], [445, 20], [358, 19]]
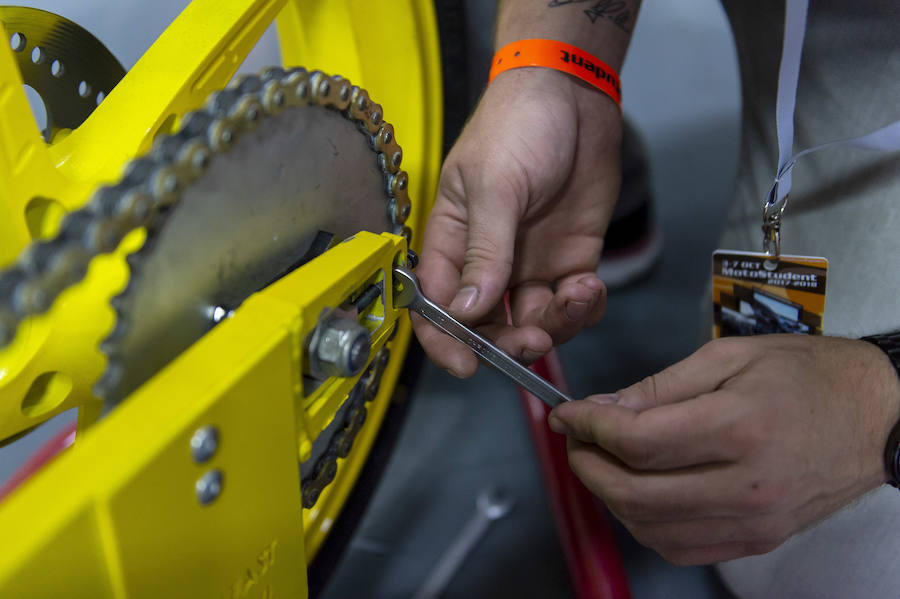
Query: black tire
[[338, 539], [451, 17]]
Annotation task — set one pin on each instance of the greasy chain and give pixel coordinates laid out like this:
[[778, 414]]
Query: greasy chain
[[153, 183], [325, 468]]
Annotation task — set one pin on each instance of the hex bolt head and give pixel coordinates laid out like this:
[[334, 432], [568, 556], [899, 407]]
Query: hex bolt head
[[204, 443], [209, 486], [343, 347]]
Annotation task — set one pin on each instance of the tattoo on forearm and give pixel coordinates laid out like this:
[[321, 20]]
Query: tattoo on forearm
[[614, 11]]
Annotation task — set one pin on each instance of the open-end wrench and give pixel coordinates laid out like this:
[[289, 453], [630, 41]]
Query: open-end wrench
[[408, 294], [491, 504]]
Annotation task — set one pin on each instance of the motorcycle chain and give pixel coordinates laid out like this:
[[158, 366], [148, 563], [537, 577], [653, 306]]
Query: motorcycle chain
[[152, 184]]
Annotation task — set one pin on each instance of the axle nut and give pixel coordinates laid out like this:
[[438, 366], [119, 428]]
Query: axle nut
[[342, 348]]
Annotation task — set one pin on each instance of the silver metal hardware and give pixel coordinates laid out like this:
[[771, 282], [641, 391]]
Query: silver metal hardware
[[408, 294]]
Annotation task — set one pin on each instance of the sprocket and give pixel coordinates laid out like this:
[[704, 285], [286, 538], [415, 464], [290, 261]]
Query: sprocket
[[273, 170]]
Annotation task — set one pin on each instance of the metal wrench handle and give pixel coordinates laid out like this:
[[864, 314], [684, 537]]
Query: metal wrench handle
[[491, 504], [409, 295]]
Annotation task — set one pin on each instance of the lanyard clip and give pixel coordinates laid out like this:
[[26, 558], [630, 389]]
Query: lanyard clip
[[773, 211]]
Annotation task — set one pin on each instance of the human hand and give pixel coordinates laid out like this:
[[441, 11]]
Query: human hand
[[736, 448], [524, 200]]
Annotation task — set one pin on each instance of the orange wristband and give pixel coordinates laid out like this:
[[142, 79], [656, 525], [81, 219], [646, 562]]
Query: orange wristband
[[562, 57]]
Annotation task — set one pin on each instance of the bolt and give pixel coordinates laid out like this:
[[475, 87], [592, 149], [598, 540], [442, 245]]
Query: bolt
[[209, 487], [204, 443], [342, 348]]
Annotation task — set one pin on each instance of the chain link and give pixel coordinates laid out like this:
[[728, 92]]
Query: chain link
[[154, 182], [341, 442]]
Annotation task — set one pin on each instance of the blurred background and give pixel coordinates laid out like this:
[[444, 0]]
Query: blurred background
[[681, 91]]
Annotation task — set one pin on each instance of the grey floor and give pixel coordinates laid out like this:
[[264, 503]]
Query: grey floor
[[681, 89]]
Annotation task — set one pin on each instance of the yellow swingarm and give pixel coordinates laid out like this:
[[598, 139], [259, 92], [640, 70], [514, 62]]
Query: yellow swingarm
[[119, 514], [389, 48], [123, 514]]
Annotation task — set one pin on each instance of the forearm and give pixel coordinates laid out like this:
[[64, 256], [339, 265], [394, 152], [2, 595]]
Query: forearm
[[602, 28]]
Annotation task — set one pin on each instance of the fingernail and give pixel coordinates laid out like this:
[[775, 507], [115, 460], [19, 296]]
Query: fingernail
[[464, 300], [557, 425], [576, 310], [603, 398], [592, 283]]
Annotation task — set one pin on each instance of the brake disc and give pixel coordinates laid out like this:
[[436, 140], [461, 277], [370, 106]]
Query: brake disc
[[69, 68]]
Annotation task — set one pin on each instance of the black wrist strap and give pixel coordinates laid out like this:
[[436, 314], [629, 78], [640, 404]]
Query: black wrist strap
[[889, 343]]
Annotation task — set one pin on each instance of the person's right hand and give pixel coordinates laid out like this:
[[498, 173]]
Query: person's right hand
[[524, 199]]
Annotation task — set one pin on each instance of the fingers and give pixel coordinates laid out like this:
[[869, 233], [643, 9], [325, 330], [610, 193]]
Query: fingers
[[703, 430], [526, 344], [578, 301], [493, 212], [445, 351], [702, 372], [443, 251], [709, 491]]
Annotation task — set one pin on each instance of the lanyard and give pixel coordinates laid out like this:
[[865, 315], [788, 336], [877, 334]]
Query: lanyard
[[886, 139]]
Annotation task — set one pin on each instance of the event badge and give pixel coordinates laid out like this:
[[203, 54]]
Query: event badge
[[770, 292], [756, 295]]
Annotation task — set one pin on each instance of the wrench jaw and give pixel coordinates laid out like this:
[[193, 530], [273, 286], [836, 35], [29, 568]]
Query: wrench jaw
[[406, 287]]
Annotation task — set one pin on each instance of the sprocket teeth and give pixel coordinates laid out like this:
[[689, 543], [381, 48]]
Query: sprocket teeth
[[175, 161]]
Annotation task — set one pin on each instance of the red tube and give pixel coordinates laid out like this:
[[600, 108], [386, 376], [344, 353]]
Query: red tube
[[592, 556], [53, 447]]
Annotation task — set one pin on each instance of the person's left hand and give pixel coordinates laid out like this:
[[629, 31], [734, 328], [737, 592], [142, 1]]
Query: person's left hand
[[739, 446]]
